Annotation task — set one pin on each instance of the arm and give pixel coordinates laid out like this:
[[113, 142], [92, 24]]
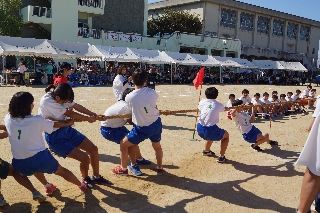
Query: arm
[[3, 135], [130, 121], [83, 110], [58, 124], [3, 127], [233, 112], [77, 116]]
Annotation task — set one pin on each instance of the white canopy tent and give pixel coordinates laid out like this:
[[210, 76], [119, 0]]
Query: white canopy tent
[[25, 47], [268, 64], [227, 61], [119, 54], [293, 66], [245, 63], [74, 50], [206, 60], [152, 56], [183, 59]]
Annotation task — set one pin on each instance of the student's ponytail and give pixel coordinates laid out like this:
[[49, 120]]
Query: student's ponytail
[[50, 88], [64, 91]]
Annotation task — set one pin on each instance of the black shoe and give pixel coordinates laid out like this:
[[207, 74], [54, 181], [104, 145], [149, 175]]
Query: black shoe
[[256, 148], [208, 153], [88, 182], [101, 180], [221, 159], [274, 143]]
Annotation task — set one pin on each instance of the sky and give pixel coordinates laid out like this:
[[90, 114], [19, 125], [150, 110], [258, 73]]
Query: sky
[[305, 8]]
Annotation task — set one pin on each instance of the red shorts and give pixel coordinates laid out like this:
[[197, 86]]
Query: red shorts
[[304, 102]]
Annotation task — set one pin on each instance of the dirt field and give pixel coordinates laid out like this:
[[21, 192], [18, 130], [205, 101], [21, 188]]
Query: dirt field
[[248, 182]]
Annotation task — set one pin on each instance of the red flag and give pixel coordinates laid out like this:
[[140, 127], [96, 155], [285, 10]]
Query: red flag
[[199, 78]]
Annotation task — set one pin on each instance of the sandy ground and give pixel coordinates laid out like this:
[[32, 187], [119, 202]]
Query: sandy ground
[[248, 182]]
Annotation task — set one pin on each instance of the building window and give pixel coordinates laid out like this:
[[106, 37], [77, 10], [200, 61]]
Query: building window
[[263, 25], [292, 30], [246, 21], [228, 18], [278, 26], [304, 33]]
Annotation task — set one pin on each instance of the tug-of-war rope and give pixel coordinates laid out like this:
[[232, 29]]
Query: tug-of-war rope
[[169, 112]]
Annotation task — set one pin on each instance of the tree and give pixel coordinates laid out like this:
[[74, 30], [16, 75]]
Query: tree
[[10, 19], [175, 20]]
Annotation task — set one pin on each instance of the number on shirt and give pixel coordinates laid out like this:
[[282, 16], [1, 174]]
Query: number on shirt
[[19, 131], [245, 120], [145, 109]]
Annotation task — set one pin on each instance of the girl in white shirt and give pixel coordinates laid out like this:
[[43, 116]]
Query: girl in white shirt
[[120, 83], [67, 141], [30, 156], [249, 132]]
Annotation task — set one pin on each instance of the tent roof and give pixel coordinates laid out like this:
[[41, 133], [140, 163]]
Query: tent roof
[[227, 61], [268, 64], [74, 50], [206, 60], [183, 58], [153, 56], [293, 66], [120, 54], [245, 63], [26, 47]]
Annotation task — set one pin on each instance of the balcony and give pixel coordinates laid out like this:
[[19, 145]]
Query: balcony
[[36, 14], [89, 33], [91, 6]]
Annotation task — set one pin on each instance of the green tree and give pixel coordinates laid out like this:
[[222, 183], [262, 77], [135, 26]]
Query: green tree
[[175, 20], [10, 19]]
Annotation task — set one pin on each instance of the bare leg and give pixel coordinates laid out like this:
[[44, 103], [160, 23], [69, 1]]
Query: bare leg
[[22, 180], [92, 149], [138, 153], [224, 143], [261, 138], [159, 154], [41, 178], [207, 146], [84, 160], [309, 190], [132, 154], [67, 175], [124, 149]]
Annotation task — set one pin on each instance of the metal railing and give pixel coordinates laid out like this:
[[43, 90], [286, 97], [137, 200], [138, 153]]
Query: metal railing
[[91, 3], [89, 33], [41, 11]]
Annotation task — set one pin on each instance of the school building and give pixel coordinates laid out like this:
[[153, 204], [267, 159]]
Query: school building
[[264, 33]]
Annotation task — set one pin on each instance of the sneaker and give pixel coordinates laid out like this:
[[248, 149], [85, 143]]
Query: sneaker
[[89, 183], [275, 143], [49, 190], [221, 159], [3, 202], [256, 148], [135, 169], [83, 188], [143, 162], [159, 171], [38, 196], [101, 180], [208, 153], [118, 171]]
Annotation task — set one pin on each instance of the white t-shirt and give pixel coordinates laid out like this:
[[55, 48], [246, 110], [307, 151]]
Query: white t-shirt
[[209, 112], [270, 99], [289, 99], [294, 97], [255, 101], [143, 102], [22, 68], [264, 101], [317, 110], [119, 108], [242, 122], [229, 104], [304, 93], [25, 135], [245, 100], [118, 87], [51, 109]]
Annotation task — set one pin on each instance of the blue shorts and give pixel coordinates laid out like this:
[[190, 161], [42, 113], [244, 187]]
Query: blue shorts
[[64, 140], [210, 133], [139, 134], [42, 162], [251, 136], [114, 134]]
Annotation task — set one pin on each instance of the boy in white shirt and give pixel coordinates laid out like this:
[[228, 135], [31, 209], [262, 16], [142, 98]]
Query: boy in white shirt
[[245, 97], [147, 124], [265, 100], [30, 156], [232, 97], [256, 101], [249, 132], [207, 125], [114, 129]]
